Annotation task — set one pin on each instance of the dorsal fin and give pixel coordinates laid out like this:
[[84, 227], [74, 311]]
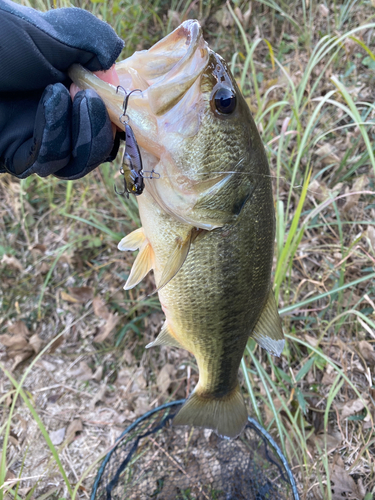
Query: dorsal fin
[[268, 331], [165, 337], [142, 265], [132, 241]]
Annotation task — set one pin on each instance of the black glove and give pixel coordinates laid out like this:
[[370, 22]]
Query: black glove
[[41, 130]]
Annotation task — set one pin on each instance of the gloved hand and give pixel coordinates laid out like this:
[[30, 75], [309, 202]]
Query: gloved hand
[[41, 130]]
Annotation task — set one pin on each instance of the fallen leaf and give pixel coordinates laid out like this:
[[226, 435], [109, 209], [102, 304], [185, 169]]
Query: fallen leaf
[[327, 153], [142, 405], [164, 379], [55, 344], [36, 343], [74, 427], [18, 358], [57, 437], [12, 262], [19, 327], [82, 293], [311, 340], [329, 375], [367, 351], [343, 485], [14, 341], [39, 247], [358, 185], [351, 407], [323, 10], [98, 375], [83, 372], [106, 330], [99, 396], [333, 440], [100, 309]]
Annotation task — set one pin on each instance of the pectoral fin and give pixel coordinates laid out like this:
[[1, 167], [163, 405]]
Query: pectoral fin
[[176, 259], [165, 337], [142, 265], [268, 331], [132, 241]]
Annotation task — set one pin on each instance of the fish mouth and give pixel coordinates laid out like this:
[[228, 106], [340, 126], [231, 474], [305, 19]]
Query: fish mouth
[[170, 67], [164, 74]]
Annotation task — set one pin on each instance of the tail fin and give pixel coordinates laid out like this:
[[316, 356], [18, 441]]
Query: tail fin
[[227, 416]]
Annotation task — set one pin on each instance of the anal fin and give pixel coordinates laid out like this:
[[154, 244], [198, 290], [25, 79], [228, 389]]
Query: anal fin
[[227, 415], [165, 337], [268, 331], [132, 241], [142, 265]]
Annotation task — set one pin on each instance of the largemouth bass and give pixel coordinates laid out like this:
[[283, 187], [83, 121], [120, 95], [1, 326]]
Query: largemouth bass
[[208, 221]]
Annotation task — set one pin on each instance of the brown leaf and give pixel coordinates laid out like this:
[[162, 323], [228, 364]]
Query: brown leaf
[[333, 440], [100, 309], [18, 358], [327, 154], [14, 341], [12, 262], [19, 327], [98, 374], [164, 377], [367, 351], [142, 405], [359, 184], [128, 357], [55, 344], [39, 248], [106, 330], [329, 375], [311, 340], [343, 485], [74, 427], [99, 396], [351, 407], [83, 372], [82, 293], [36, 343], [323, 10]]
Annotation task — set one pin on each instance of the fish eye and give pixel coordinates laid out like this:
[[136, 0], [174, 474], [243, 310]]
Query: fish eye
[[225, 100]]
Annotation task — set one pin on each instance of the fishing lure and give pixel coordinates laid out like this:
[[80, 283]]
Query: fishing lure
[[132, 168]]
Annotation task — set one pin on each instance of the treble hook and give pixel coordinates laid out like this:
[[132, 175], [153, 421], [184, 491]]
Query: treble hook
[[124, 118]]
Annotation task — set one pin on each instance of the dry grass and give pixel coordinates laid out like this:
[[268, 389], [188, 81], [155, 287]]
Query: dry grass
[[62, 276]]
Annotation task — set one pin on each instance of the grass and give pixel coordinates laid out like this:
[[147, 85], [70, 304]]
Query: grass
[[308, 78]]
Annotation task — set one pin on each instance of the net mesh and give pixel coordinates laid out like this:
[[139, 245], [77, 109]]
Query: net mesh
[[155, 460]]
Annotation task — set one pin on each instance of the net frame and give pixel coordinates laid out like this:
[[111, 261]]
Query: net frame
[[252, 424]]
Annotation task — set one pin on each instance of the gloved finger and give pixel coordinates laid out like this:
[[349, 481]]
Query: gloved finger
[[49, 149], [92, 140], [37, 48]]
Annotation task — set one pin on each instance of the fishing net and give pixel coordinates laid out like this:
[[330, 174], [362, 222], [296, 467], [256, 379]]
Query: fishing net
[[153, 459]]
